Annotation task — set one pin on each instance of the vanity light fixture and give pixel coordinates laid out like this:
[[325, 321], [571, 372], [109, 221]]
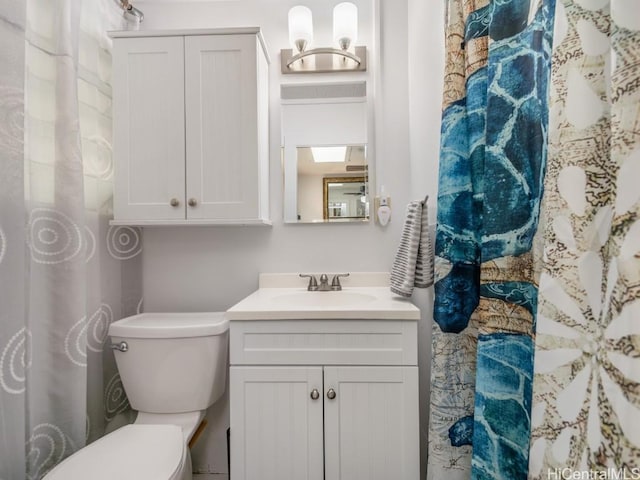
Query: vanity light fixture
[[329, 154], [345, 58]]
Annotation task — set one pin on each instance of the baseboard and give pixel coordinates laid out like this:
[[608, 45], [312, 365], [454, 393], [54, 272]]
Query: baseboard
[[210, 476]]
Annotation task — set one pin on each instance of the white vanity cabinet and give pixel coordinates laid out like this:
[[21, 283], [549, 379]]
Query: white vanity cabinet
[[324, 399], [190, 127]]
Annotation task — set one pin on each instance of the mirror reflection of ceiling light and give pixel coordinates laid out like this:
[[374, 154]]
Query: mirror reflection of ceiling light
[[329, 154]]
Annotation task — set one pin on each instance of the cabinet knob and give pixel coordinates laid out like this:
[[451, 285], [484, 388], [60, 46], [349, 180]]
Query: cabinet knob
[[192, 202], [315, 394], [174, 202], [331, 394]]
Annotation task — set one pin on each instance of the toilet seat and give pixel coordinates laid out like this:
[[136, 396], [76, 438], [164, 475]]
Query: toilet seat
[[133, 452]]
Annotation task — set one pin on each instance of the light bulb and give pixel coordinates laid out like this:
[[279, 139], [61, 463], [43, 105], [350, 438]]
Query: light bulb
[[345, 24], [300, 28]]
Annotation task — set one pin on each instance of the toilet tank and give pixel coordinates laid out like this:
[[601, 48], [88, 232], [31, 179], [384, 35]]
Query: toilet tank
[[174, 362]]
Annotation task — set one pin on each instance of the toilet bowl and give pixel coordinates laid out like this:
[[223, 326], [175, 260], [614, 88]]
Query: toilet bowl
[[173, 366]]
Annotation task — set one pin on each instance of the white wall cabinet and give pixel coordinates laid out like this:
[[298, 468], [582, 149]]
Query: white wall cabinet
[[300, 415], [191, 127]]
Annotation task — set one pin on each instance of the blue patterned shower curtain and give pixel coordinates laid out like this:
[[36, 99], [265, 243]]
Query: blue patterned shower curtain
[[492, 163]]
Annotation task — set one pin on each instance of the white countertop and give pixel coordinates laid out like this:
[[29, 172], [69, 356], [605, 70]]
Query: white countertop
[[285, 297]]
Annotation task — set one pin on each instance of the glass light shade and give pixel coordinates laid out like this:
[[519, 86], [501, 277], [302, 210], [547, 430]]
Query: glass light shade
[[345, 24], [300, 28]]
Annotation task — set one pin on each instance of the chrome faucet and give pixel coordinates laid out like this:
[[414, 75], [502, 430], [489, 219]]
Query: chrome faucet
[[324, 282], [313, 283], [335, 283]]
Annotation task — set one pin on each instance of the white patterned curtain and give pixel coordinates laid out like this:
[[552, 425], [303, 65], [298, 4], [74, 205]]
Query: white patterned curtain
[[586, 405], [65, 274]]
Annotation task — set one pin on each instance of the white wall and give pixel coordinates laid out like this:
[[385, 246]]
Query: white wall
[[309, 195], [426, 67], [211, 268]]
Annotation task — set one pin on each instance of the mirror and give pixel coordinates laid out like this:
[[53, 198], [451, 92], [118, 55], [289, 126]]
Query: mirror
[[332, 184], [324, 153]]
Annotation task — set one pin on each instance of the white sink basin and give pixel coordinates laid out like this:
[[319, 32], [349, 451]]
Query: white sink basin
[[322, 299], [283, 296]]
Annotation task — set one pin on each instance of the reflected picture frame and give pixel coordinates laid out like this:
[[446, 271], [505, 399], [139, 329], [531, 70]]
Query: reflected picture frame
[[326, 182]]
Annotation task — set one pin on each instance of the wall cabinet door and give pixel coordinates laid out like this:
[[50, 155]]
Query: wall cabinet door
[[276, 427], [222, 126], [371, 426], [149, 129]]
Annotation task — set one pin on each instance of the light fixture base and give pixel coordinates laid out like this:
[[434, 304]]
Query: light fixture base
[[323, 60]]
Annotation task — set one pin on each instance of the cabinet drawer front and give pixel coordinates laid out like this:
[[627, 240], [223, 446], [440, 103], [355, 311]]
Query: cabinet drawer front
[[324, 342]]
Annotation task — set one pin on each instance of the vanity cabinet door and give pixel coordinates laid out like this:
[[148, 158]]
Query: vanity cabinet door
[[276, 425], [148, 109], [372, 423]]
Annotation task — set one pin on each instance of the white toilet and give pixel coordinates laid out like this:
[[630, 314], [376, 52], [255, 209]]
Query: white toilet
[[173, 366]]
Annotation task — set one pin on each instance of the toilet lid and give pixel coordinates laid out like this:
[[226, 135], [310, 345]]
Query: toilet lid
[[133, 452]]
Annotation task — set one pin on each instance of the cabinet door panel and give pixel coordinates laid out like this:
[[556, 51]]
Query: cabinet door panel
[[372, 425], [276, 428], [148, 92], [222, 131]]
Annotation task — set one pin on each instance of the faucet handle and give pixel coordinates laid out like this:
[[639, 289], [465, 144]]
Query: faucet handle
[[313, 283], [335, 283]]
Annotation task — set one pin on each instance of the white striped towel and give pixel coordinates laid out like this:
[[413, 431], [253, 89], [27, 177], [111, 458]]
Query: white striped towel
[[413, 265]]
